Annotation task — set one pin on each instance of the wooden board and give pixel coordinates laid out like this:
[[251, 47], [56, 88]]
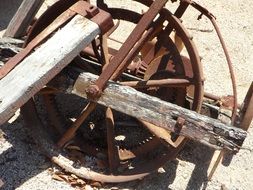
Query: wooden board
[[163, 114], [40, 67], [23, 18]]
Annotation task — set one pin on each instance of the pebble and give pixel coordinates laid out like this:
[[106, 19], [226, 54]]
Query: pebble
[[161, 170], [1, 183], [221, 10], [185, 175]]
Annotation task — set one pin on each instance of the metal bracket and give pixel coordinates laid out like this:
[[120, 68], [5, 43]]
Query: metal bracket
[[177, 139], [102, 18]]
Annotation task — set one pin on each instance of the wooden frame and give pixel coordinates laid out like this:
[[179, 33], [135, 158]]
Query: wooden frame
[[23, 18], [45, 63]]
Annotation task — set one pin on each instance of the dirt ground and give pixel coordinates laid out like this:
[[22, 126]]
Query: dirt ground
[[23, 167]]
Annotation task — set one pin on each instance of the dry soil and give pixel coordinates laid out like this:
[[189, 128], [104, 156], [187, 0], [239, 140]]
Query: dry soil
[[23, 167]]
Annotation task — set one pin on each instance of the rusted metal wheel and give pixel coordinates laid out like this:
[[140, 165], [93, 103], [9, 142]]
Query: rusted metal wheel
[[130, 157]]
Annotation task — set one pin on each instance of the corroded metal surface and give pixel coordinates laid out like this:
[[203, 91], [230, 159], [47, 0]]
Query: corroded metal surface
[[83, 8], [148, 60]]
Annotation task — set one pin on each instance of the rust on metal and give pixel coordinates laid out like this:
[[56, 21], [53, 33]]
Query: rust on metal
[[246, 114], [149, 60], [70, 133], [166, 137], [160, 83], [212, 18], [130, 42], [113, 156], [66, 16], [178, 127], [93, 92], [102, 18]]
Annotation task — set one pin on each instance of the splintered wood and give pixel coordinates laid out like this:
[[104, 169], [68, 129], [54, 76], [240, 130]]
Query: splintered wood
[[162, 114], [40, 67]]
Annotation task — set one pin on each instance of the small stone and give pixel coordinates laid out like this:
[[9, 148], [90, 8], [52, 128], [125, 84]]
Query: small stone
[[161, 170], [88, 187], [120, 138], [1, 183], [223, 187], [74, 176], [185, 175]]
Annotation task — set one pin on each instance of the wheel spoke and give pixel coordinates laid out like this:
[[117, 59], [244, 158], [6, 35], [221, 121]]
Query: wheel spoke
[[113, 156], [158, 83], [70, 133], [163, 135]]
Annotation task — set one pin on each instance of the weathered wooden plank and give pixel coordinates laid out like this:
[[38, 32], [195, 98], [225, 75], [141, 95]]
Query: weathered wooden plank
[[10, 46], [7, 41], [23, 18], [36, 70], [160, 113]]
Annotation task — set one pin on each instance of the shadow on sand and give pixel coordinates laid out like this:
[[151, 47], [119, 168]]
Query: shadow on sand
[[195, 153], [19, 160]]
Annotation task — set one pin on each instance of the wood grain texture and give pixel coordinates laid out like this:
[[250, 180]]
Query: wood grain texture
[[7, 41], [163, 114], [10, 45], [40, 67], [23, 18]]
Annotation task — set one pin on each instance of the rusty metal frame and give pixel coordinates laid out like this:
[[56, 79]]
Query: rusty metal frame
[[116, 64], [102, 18]]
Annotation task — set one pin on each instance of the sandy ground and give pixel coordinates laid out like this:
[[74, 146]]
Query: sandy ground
[[23, 167]]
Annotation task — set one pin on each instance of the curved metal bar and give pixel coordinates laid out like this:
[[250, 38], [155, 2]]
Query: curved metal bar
[[231, 70], [158, 83], [211, 17], [194, 57], [57, 156]]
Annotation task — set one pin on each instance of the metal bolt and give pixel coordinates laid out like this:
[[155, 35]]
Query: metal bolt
[[93, 92]]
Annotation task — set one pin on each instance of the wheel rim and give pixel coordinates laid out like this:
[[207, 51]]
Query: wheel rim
[[142, 169]]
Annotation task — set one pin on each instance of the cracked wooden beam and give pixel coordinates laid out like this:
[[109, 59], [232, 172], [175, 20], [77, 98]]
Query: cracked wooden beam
[[37, 69], [163, 114]]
